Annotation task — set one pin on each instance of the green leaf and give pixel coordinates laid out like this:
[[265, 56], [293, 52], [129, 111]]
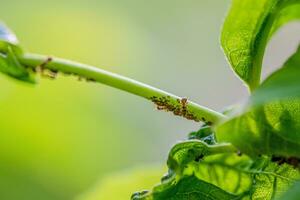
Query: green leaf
[[120, 185], [194, 170], [288, 14], [188, 188], [9, 51], [205, 134], [247, 28], [293, 193], [230, 177], [184, 153], [239, 175], [259, 131], [271, 180], [271, 121], [10, 65], [258, 179], [230, 172]]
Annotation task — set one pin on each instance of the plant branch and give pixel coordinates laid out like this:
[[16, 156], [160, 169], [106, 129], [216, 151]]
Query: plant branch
[[163, 100]]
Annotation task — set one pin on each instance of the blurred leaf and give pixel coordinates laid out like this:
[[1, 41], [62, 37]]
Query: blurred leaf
[[119, 186], [9, 50], [10, 65], [260, 131], [293, 193], [247, 29], [271, 123]]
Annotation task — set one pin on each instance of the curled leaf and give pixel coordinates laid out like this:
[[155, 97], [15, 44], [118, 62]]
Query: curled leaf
[[293, 193], [191, 151]]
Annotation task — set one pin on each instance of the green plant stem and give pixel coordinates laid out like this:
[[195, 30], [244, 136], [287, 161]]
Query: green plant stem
[[164, 100]]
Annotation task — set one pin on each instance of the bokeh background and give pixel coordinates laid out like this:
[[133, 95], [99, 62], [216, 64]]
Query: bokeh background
[[60, 138]]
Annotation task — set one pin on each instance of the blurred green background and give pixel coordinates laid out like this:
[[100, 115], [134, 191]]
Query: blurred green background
[[59, 138]]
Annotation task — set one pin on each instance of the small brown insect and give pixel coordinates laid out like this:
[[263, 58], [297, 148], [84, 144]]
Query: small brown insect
[[41, 69], [184, 102], [48, 60], [177, 112], [160, 107], [189, 116]]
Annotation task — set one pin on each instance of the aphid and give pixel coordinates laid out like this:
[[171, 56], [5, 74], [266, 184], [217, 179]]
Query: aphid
[[177, 112], [184, 102], [41, 69], [160, 107], [189, 116], [171, 107], [48, 60]]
